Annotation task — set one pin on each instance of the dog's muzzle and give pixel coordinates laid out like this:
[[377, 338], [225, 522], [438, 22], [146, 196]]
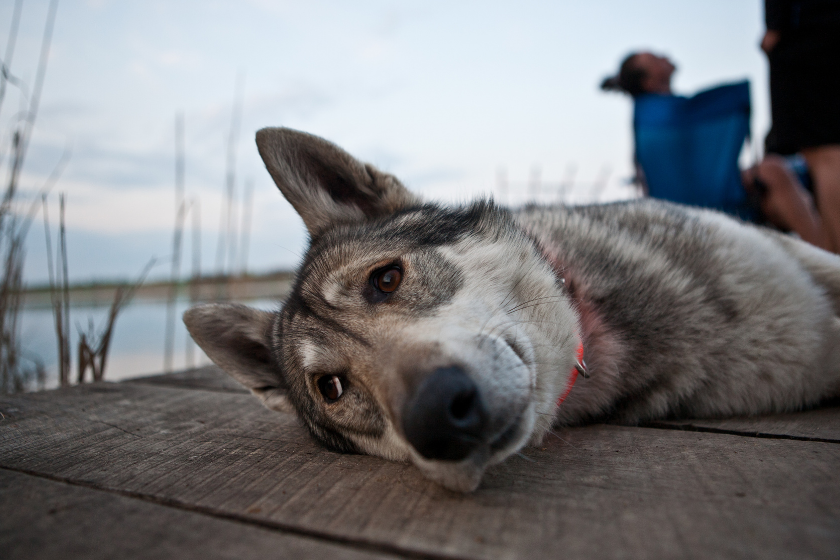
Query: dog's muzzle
[[446, 418]]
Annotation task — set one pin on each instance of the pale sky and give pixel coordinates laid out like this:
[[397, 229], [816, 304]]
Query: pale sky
[[442, 94]]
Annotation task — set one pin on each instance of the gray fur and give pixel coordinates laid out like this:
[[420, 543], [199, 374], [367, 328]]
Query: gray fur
[[682, 313]]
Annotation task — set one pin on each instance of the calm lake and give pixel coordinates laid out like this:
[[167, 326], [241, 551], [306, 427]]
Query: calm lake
[[137, 343]]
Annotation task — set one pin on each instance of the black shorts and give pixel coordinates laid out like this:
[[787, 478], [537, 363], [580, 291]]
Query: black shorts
[[805, 91]]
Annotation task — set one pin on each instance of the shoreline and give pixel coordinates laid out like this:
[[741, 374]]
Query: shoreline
[[274, 285]]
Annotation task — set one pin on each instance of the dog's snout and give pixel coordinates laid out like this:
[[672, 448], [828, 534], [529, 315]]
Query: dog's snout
[[445, 418]]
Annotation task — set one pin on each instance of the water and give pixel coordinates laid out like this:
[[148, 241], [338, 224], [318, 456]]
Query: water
[[137, 341]]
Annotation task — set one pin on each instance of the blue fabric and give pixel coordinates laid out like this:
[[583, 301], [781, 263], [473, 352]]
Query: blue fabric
[[688, 147]]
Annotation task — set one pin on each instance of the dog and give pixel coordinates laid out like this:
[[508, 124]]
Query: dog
[[452, 337]]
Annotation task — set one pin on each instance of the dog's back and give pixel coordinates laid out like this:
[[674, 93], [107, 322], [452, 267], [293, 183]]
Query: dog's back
[[687, 313]]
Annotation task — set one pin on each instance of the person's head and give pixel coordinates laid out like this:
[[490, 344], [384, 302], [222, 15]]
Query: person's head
[[642, 72]]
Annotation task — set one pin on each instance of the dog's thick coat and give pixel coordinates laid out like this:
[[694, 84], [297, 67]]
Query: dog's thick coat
[[445, 336]]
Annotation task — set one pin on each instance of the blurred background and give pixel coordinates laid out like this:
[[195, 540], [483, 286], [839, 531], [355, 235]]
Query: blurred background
[[145, 108]]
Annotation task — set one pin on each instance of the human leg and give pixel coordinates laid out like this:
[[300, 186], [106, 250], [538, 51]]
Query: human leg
[[824, 165], [786, 204]]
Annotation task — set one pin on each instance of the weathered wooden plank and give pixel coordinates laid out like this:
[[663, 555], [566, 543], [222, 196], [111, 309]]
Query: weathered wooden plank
[[48, 519], [822, 423], [819, 424], [594, 492], [210, 378]]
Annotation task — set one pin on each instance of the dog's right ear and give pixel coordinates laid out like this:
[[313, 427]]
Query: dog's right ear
[[324, 183], [237, 339]]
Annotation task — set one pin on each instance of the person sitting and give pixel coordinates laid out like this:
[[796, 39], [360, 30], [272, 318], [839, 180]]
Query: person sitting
[[782, 199], [802, 44]]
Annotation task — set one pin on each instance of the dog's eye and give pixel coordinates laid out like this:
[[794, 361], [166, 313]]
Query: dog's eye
[[387, 280], [331, 387]]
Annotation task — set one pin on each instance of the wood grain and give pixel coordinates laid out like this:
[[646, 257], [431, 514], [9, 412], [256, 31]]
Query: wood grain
[[210, 378], [820, 424], [44, 519], [595, 492]]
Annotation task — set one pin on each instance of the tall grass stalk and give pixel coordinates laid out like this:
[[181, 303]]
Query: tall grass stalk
[[15, 375]]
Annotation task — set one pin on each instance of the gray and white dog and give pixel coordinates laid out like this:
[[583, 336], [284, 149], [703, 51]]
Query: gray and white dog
[[452, 337]]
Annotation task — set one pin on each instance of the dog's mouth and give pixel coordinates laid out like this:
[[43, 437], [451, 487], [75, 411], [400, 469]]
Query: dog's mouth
[[517, 349], [465, 475], [508, 436], [506, 439]]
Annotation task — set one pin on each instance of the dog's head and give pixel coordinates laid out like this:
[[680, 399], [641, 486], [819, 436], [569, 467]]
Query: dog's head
[[413, 332]]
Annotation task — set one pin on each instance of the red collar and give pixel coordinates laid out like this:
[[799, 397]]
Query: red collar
[[580, 367]]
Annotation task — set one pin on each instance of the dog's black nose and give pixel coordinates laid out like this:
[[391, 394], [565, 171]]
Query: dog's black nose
[[445, 418]]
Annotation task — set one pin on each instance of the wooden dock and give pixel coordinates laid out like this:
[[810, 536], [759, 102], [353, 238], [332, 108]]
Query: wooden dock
[[189, 465]]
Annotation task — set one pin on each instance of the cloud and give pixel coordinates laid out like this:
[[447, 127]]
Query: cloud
[[300, 100], [179, 59]]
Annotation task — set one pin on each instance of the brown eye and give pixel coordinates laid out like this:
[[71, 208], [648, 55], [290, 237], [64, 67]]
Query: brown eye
[[387, 280], [331, 387]]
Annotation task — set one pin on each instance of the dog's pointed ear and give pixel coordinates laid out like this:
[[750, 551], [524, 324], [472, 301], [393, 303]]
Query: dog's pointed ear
[[237, 339], [324, 183]]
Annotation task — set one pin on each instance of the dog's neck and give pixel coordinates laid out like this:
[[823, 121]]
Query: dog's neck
[[580, 368], [561, 272]]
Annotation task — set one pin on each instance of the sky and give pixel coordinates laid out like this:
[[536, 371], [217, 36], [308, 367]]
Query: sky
[[448, 96]]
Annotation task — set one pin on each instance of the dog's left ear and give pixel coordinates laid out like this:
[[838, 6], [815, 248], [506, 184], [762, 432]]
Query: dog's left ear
[[324, 183], [237, 339]]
